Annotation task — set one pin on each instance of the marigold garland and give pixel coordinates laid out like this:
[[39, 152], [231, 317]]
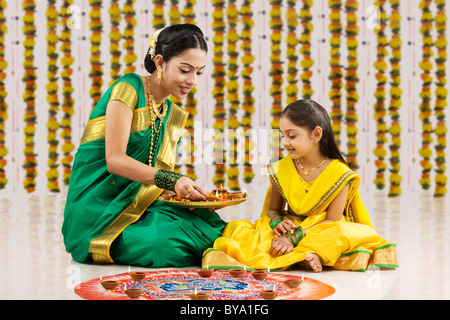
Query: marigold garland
[[96, 73], [232, 95], [291, 56], [276, 72], [335, 76], [305, 50], [128, 35], [441, 99], [67, 90], [218, 26], [247, 88], [52, 97], [380, 96], [351, 79], [190, 104], [3, 94], [425, 94], [115, 36], [395, 102], [29, 30], [158, 21]]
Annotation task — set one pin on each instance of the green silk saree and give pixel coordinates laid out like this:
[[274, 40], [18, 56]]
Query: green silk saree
[[111, 219]]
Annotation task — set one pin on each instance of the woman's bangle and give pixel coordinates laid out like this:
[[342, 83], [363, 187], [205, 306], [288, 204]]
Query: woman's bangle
[[275, 218], [298, 233], [166, 179]]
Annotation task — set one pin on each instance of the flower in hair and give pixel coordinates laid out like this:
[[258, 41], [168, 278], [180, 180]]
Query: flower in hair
[[152, 44]]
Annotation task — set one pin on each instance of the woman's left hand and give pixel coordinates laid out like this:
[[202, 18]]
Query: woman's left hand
[[280, 245]]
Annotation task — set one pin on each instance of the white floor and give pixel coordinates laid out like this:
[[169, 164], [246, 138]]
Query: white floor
[[34, 264]]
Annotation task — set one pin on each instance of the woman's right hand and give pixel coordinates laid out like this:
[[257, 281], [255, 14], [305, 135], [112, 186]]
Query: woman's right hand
[[187, 188], [284, 226]]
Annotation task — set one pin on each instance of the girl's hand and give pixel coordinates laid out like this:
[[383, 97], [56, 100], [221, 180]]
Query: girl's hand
[[280, 245], [186, 188], [284, 226]]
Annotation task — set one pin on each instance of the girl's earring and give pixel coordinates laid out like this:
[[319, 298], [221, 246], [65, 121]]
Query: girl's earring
[[159, 76]]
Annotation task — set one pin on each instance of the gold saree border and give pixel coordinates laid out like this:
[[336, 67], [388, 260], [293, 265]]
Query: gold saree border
[[362, 260], [147, 194], [95, 128]]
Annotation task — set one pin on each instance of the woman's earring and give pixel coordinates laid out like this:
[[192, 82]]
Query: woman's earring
[[159, 76]]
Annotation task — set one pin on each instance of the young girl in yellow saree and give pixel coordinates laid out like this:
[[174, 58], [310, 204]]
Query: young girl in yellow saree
[[313, 215]]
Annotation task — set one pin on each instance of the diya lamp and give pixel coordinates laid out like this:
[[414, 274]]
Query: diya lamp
[[199, 295], [205, 273], [237, 273], [293, 283], [133, 293], [137, 275], [109, 284], [270, 294], [259, 274]]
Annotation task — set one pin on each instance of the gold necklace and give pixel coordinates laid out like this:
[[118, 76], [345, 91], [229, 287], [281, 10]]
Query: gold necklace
[[154, 113], [306, 172]]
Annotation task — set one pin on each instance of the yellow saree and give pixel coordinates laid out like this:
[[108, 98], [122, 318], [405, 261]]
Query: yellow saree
[[348, 244]]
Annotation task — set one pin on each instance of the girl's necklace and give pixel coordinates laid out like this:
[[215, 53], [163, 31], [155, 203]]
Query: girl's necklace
[[306, 172]]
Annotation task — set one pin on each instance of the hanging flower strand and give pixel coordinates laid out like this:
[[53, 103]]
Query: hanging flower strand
[[425, 94], [96, 73], [115, 36], [441, 99], [232, 96], [276, 72], [247, 89], [336, 71], [380, 96], [218, 26], [190, 104], [395, 102], [3, 94], [52, 97], [351, 79], [305, 40], [128, 35], [29, 30], [291, 56], [158, 21], [68, 102]]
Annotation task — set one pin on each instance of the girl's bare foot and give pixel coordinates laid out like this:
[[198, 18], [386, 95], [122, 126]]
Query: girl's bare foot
[[312, 261]]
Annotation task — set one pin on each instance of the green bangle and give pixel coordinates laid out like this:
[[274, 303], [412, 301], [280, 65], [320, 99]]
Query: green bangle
[[274, 223], [298, 232], [166, 179]]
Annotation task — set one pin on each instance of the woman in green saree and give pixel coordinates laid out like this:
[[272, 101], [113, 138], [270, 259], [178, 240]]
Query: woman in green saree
[[125, 162]]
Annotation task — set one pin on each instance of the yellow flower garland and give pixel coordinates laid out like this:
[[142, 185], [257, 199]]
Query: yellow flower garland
[[29, 30], [276, 72], [67, 90], [233, 95], [96, 73], [247, 89], [3, 94], [395, 102], [351, 79], [425, 94], [128, 35], [292, 58], [115, 36], [305, 50], [191, 103], [52, 97], [218, 26], [441, 99], [380, 95], [335, 76], [158, 21]]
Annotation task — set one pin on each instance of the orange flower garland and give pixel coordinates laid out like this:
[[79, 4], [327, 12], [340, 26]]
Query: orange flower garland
[[380, 95], [336, 71], [232, 96], [351, 79], [276, 72], [3, 94], [441, 99], [115, 36], [29, 30], [292, 58], [68, 102], [218, 26], [128, 35], [52, 97], [158, 21], [305, 50], [248, 100], [96, 73]]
